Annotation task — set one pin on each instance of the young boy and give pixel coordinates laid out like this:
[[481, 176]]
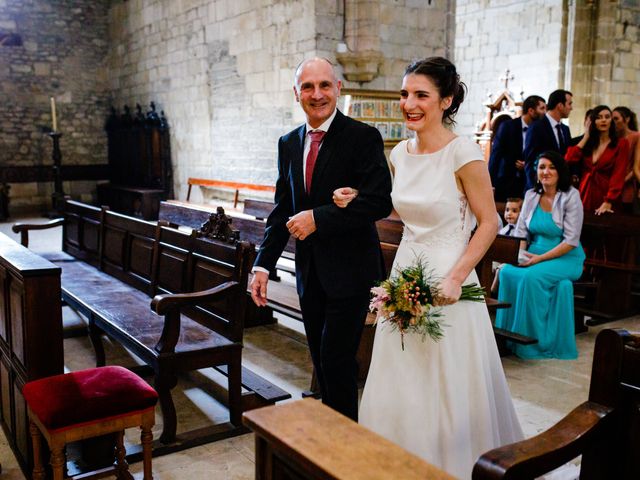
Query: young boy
[[511, 213]]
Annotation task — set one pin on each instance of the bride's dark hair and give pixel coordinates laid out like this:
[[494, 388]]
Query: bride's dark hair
[[445, 77]]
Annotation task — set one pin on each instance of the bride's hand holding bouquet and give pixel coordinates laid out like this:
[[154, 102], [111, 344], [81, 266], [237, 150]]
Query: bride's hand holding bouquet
[[410, 300], [449, 292]]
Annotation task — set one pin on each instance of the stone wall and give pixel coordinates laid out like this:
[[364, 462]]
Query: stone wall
[[223, 70], [61, 55], [495, 35], [619, 83], [591, 48]]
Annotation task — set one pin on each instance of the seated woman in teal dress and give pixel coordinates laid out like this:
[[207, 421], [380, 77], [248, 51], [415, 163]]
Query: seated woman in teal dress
[[540, 288]]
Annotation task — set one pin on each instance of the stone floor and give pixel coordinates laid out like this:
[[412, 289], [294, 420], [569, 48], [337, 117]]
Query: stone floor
[[543, 390]]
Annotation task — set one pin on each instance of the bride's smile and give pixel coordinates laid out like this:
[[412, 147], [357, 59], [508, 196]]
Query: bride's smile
[[421, 103]]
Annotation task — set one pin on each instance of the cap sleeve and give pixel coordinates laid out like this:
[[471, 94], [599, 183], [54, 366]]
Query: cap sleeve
[[466, 151]]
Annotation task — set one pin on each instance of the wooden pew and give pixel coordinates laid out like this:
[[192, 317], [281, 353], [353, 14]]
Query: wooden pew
[[30, 337], [282, 296], [111, 266], [605, 429], [235, 186], [251, 227], [611, 242], [259, 209], [308, 440]]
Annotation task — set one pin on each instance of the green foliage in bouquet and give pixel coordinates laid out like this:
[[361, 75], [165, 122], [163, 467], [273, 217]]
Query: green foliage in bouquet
[[406, 301]]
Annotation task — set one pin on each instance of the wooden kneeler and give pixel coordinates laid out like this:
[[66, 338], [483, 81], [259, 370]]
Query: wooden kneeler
[[86, 404]]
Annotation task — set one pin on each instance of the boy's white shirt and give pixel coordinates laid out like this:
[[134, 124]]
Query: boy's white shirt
[[505, 230]]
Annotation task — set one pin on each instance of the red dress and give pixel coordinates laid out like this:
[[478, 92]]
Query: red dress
[[630, 189], [601, 181]]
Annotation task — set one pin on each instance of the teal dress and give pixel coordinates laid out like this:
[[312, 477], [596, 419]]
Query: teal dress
[[541, 296]]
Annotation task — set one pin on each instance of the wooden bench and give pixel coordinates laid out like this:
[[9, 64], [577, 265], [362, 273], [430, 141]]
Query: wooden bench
[[30, 337], [235, 186], [283, 298], [308, 440], [605, 429], [111, 266], [251, 227], [259, 209], [611, 242]]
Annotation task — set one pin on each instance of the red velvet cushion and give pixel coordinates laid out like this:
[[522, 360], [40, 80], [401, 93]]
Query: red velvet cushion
[[87, 395]]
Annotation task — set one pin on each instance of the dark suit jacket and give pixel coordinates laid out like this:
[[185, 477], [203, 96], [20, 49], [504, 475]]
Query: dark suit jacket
[[345, 248], [540, 138], [506, 148]]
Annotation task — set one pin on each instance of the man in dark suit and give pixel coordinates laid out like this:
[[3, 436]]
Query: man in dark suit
[[548, 134], [506, 164], [338, 257]]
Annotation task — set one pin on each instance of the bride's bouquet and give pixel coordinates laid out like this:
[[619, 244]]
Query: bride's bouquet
[[406, 301]]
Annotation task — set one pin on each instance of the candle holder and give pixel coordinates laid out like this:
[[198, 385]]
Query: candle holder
[[58, 196]]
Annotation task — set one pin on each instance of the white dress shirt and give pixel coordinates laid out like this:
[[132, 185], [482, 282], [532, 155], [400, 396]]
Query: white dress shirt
[[508, 229], [553, 127]]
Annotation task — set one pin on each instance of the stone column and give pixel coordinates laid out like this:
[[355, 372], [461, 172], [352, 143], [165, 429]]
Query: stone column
[[363, 57]]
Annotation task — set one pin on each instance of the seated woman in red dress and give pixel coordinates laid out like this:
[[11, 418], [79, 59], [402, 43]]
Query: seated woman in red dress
[[603, 158]]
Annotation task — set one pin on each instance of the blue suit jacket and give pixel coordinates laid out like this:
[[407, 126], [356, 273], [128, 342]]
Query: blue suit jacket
[[345, 249], [540, 138], [506, 148]]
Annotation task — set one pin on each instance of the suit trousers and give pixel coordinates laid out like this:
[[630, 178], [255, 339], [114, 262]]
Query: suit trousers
[[334, 327]]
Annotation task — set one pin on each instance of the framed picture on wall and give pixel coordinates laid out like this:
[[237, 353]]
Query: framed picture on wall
[[378, 108]]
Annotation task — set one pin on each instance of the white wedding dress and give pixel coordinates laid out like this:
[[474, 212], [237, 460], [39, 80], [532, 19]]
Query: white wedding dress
[[447, 401]]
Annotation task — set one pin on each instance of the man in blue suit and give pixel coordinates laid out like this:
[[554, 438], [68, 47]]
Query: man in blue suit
[[338, 256], [548, 134], [506, 164]]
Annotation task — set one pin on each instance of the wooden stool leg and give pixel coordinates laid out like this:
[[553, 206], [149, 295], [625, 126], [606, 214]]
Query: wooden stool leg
[[146, 438], [122, 467], [57, 462], [38, 468]]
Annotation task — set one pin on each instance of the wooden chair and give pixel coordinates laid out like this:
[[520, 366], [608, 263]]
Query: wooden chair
[[605, 429], [87, 404]]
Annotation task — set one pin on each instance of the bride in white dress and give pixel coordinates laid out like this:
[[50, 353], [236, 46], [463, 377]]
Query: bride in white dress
[[446, 401]]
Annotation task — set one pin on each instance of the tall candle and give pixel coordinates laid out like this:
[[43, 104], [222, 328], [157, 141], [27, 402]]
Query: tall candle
[[53, 114]]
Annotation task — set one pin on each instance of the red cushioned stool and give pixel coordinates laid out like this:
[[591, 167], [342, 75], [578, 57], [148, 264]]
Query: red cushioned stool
[[85, 404]]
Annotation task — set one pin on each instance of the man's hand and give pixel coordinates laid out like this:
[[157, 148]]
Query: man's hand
[[520, 165], [259, 288], [343, 196], [302, 225]]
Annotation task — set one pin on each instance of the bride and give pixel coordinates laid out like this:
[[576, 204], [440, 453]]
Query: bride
[[446, 401]]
